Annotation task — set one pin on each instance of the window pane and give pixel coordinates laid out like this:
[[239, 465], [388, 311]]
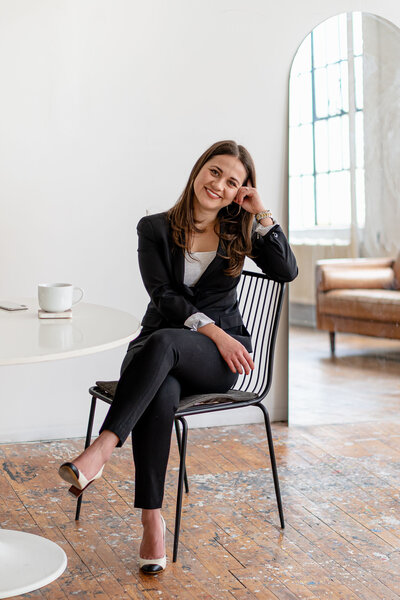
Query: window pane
[[301, 150], [360, 197], [342, 36], [335, 102], [319, 47], [304, 96], [339, 195], [359, 135], [301, 198], [358, 81], [321, 93], [308, 201], [332, 40], [294, 149], [293, 102], [300, 97], [344, 84], [323, 211], [357, 33], [345, 141], [335, 144], [295, 212], [306, 150], [333, 199], [321, 146]]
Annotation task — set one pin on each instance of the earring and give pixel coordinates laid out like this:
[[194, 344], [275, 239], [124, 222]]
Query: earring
[[229, 214]]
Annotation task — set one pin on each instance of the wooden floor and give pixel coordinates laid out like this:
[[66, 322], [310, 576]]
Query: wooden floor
[[340, 481], [360, 383], [341, 491]]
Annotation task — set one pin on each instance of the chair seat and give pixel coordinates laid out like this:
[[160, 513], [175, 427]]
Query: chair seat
[[228, 398], [108, 388]]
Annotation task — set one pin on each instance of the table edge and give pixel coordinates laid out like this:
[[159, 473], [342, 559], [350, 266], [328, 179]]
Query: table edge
[[69, 353]]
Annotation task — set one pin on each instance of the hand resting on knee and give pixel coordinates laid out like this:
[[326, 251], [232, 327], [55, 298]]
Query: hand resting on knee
[[233, 352]]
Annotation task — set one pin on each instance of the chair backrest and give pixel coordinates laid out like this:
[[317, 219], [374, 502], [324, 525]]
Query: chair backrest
[[260, 302]]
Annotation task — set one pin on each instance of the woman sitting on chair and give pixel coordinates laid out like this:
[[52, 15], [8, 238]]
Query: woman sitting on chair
[[193, 340]]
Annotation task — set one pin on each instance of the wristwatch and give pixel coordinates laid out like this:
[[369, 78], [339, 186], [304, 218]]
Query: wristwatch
[[265, 214]]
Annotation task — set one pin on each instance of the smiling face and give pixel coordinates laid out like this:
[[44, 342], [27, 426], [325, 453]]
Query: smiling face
[[217, 183]]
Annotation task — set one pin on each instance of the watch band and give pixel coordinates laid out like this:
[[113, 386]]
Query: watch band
[[265, 214]]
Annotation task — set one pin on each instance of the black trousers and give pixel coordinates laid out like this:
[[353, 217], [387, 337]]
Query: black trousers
[[156, 372]]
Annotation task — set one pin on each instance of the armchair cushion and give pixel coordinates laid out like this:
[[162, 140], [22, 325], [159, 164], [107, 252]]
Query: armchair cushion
[[370, 305]]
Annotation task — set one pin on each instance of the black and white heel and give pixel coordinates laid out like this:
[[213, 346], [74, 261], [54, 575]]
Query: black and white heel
[[153, 566], [71, 474]]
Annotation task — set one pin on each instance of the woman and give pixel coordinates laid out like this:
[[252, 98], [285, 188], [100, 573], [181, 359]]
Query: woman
[[190, 260]]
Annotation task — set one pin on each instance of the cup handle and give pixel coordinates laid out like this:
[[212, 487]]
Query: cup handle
[[81, 296]]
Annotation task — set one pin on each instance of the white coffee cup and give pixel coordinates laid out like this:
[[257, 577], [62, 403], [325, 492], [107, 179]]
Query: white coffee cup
[[57, 297]]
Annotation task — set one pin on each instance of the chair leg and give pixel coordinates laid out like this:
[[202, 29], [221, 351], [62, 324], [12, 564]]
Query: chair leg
[[273, 462], [180, 487], [178, 439], [87, 444], [332, 341]]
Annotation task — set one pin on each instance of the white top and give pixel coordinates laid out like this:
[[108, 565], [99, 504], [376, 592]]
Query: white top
[[24, 338], [195, 265]]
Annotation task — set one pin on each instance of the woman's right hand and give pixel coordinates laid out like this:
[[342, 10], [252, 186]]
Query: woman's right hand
[[233, 352]]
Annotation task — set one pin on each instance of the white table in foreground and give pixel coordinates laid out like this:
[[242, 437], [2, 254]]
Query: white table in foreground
[[27, 561], [24, 338]]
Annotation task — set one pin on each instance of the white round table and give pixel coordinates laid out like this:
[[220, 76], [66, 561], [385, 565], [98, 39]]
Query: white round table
[[27, 561]]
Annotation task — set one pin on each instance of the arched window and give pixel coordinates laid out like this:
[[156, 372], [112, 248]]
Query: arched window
[[326, 146]]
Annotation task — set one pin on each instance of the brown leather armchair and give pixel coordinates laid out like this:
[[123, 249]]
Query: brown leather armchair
[[359, 296]]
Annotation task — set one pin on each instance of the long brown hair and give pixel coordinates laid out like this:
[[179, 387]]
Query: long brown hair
[[235, 229]]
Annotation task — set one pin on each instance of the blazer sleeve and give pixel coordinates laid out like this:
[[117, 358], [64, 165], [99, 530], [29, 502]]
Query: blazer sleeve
[[272, 253], [171, 304]]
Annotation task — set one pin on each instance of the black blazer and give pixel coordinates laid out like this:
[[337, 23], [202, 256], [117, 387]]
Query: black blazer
[[172, 302]]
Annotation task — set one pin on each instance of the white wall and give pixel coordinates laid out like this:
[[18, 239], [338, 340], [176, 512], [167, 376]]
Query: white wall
[[104, 106]]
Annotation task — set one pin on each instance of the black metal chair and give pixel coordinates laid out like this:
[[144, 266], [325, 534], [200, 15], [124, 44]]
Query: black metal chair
[[260, 302]]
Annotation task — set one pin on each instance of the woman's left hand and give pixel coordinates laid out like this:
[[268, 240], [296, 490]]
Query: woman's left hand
[[249, 199]]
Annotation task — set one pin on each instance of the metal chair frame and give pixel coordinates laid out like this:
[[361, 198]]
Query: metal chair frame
[[260, 301]]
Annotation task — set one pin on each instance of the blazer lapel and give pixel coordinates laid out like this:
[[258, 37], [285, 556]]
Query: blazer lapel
[[178, 264], [177, 259]]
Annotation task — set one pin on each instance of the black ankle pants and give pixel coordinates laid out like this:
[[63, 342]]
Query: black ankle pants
[[156, 372]]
